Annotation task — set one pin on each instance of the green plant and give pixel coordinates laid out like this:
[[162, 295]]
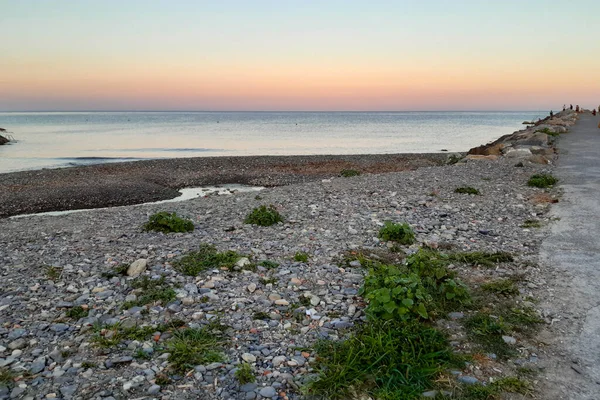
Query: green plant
[[269, 264], [504, 287], [487, 330], [423, 285], [206, 257], [113, 335], [481, 258], [467, 190], [162, 380], [168, 222], [300, 256], [6, 377], [140, 354], [77, 312], [547, 131], [531, 223], [87, 365], [244, 374], [53, 273], [190, 347], [494, 390], [266, 281], [119, 270], [383, 360], [347, 173], [264, 216], [401, 233], [542, 181], [453, 159], [261, 315], [152, 290]]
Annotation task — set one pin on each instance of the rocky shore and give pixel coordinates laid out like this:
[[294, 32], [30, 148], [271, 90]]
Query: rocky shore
[[74, 326], [107, 185]]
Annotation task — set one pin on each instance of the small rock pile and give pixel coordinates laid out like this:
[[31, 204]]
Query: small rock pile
[[534, 144]]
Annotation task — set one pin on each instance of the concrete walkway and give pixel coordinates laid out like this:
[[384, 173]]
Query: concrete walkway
[[573, 249]]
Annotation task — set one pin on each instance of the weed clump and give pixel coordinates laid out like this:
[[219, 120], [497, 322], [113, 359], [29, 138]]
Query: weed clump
[[487, 331], [481, 258], [401, 233], [264, 216], [152, 290], [504, 287], [414, 290], [206, 257], [495, 389], [168, 222], [301, 257], [531, 223], [53, 273], [6, 378], [542, 181], [77, 312], [119, 270], [384, 360], [190, 347], [244, 374], [269, 264], [347, 173], [467, 190]]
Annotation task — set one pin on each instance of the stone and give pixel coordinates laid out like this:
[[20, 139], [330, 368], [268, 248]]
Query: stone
[[154, 389], [251, 287], [68, 391], [242, 262], [468, 380], [268, 391], [17, 344], [518, 153], [509, 339], [249, 358], [137, 267], [477, 157], [277, 361]]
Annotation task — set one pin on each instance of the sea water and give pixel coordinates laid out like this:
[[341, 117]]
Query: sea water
[[61, 139]]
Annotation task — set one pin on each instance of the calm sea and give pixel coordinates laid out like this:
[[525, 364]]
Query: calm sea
[[59, 139]]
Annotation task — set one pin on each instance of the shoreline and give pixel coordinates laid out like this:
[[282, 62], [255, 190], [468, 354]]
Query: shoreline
[[135, 182]]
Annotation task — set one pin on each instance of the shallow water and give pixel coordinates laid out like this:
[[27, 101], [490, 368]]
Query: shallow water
[[186, 194], [59, 139]]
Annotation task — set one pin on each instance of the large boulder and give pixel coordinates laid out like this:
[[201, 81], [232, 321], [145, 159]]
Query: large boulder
[[3, 140], [492, 149]]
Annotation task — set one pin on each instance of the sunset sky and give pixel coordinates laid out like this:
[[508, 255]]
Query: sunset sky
[[298, 55]]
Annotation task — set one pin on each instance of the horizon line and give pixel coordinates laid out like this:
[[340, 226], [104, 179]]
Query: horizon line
[[264, 111]]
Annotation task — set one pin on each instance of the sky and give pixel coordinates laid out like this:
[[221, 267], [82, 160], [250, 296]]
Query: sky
[[298, 55]]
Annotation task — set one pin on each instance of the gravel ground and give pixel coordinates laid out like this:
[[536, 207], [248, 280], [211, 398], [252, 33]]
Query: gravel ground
[[107, 185], [299, 301]]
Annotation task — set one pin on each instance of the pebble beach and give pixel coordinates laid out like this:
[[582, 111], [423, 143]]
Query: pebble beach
[[272, 306]]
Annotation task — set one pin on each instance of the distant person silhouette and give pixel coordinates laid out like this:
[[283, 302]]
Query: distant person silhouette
[[571, 106], [564, 107], [551, 114], [594, 112], [577, 108]]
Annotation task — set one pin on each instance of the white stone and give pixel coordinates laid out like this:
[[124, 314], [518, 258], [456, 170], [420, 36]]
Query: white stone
[[249, 358], [251, 287], [242, 262], [137, 267]]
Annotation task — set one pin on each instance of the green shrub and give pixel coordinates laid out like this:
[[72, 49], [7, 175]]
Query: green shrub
[[487, 331], [152, 290], [382, 360], [168, 222], [301, 257], [466, 190], [414, 290], [542, 181], [190, 347], [77, 312], [347, 173], [401, 233], [264, 216], [531, 223], [504, 287], [269, 264], [244, 374], [206, 257]]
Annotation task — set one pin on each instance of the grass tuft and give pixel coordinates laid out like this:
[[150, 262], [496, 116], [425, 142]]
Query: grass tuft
[[190, 347], [53, 273], [401, 233], [264, 216], [531, 223], [494, 390], [77, 312], [467, 190], [244, 374], [206, 257], [301, 257], [119, 270], [504, 287], [384, 360], [480, 258], [542, 181], [153, 290], [487, 330], [268, 264], [6, 377], [348, 173], [168, 222]]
